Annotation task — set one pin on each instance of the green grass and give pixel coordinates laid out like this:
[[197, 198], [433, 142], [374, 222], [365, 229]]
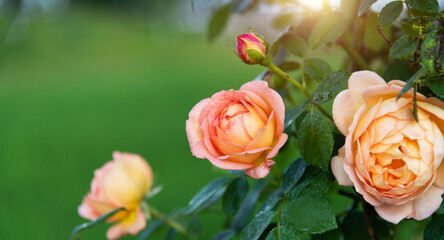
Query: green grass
[[85, 84]]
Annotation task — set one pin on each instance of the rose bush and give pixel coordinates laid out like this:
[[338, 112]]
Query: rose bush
[[239, 130], [122, 182], [392, 160]]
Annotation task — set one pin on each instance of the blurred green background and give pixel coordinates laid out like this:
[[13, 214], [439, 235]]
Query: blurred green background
[[94, 78]]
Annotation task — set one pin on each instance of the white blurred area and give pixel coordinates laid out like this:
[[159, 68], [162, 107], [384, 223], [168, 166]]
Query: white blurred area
[[262, 18]]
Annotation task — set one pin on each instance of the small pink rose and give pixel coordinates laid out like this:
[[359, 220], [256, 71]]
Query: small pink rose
[[251, 47], [392, 160], [122, 182], [239, 130]]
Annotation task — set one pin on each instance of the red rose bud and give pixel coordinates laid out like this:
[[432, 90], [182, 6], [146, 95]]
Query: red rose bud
[[251, 48]]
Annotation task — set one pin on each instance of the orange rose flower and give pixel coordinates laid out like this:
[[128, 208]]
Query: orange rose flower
[[239, 130], [392, 160]]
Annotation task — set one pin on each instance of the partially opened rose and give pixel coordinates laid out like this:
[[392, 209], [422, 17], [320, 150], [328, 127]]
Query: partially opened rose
[[392, 160], [122, 182], [239, 130]]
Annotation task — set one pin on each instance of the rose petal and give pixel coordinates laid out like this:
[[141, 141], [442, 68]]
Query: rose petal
[[438, 146], [439, 181], [279, 143], [265, 136], [194, 132], [200, 150], [383, 126], [131, 225], [273, 99], [337, 167], [226, 148], [251, 156], [428, 203], [374, 94], [348, 102], [260, 171], [395, 213], [436, 111]]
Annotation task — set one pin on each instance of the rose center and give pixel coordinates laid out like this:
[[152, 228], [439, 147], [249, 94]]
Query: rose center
[[241, 122]]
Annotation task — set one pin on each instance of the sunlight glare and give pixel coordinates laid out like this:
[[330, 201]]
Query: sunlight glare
[[316, 5]]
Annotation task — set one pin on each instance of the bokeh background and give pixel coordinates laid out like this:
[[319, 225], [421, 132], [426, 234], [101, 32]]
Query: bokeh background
[[81, 79]]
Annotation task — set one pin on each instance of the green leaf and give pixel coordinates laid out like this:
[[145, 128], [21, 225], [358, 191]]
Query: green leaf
[[373, 40], [234, 195], [152, 227], [365, 4], [317, 69], [240, 220], [281, 233], [294, 44], [424, 5], [276, 44], [326, 30], [409, 84], [390, 13], [429, 50], [436, 84], [270, 203], [315, 185], [217, 22], [334, 234], [354, 227], [422, 24], [306, 214], [435, 229], [315, 140], [284, 20], [225, 235], [293, 174], [331, 85], [206, 193], [398, 70], [289, 66], [77, 230], [256, 227], [403, 47], [292, 114]]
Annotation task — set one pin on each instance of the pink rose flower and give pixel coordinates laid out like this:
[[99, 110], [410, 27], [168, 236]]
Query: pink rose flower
[[239, 130], [122, 182], [392, 160]]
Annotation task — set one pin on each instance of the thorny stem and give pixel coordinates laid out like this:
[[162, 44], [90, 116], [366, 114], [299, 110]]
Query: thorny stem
[[384, 36], [175, 225], [284, 75], [410, 10], [367, 220], [391, 44]]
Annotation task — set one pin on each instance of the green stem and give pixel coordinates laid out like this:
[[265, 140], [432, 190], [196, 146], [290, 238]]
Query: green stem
[[303, 73], [175, 225], [284, 75], [354, 56], [410, 10], [367, 220]]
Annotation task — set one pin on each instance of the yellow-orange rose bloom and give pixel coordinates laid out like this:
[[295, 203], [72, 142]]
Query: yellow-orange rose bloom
[[239, 129], [392, 160], [122, 182]]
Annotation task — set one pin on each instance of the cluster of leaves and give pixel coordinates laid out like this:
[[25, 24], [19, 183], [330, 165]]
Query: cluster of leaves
[[301, 200], [405, 41]]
